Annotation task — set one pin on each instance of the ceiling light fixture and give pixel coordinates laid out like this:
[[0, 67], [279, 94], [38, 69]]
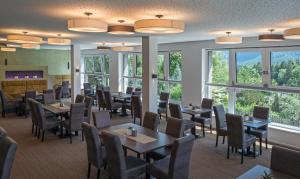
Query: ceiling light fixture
[[24, 39], [30, 46], [159, 26], [58, 41], [293, 33], [120, 29], [8, 49], [123, 48], [103, 47], [3, 39], [271, 37], [228, 39], [87, 24]]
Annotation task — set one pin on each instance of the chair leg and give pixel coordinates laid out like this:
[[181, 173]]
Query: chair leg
[[210, 127], [227, 151], [254, 150], [242, 159], [217, 140], [32, 128], [223, 139], [266, 141], [70, 137], [98, 173], [82, 135], [3, 114], [133, 120], [260, 143], [43, 135], [36, 130], [89, 170], [203, 132]]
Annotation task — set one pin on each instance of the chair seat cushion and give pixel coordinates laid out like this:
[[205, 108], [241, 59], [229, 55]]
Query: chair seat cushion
[[116, 105], [202, 120], [51, 122], [160, 153], [188, 124], [160, 168], [249, 140], [260, 133], [135, 166], [222, 131]]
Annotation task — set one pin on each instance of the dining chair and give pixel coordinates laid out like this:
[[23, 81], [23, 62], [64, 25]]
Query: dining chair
[[110, 104], [151, 121], [177, 164], [101, 99], [101, 119], [7, 106], [34, 120], [75, 120], [129, 90], [7, 154], [79, 98], [120, 166], [48, 98], [48, 91], [138, 90], [58, 93], [95, 151], [25, 106], [205, 118], [87, 88], [136, 107], [221, 127], [163, 104], [262, 132], [285, 160], [237, 138], [44, 123], [65, 89], [88, 101], [175, 128], [175, 112]]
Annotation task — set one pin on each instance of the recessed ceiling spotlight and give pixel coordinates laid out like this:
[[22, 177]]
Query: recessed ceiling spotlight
[[120, 29], [58, 41], [87, 24], [293, 33], [159, 26], [271, 37], [8, 49], [24, 39], [228, 39]]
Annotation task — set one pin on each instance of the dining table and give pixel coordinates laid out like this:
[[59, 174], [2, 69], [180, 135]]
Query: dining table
[[124, 98], [193, 111], [258, 171], [144, 142]]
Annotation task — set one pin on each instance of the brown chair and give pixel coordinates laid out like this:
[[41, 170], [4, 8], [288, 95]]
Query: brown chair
[[237, 138], [262, 132], [205, 118], [110, 104], [58, 93], [101, 99], [221, 127], [151, 121], [88, 101], [25, 105], [129, 90], [101, 119], [7, 106], [79, 98], [163, 104], [136, 105], [48, 91], [48, 98]]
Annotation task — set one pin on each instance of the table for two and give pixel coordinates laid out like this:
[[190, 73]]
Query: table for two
[[124, 98]]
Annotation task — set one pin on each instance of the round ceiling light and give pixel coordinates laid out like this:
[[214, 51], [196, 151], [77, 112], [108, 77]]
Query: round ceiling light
[[293, 33], [271, 37], [120, 29], [30, 46], [159, 26], [58, 41], [8, 49], [87, 24], [123, 48], [24, 39], [228, 39]]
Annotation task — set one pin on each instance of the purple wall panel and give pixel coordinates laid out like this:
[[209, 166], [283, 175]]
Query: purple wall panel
[[22, 74]]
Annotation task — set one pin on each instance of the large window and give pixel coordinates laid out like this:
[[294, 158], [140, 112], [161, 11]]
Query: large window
[[244, 78], [96, 69], [132, 70], [169, 70]]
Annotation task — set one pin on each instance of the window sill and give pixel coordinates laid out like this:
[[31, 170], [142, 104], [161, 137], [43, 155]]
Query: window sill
[[285, 128]]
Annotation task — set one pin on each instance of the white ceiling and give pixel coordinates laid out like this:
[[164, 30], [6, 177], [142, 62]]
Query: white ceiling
[[205, 19]]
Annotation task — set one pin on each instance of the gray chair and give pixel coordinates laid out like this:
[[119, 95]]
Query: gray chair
[[138, 90], [48, 98], [76, 118], [34, 118], [44, 123], [95, 152], [48, 91], [7, 154], [262, 132], [58, 93], [87, 88], [136, 107], [119, 166], [79, 98], [101, 119], [175, 112], [88, 101], [163, 104], [101, 99], [25, 105], [237, 138], [129, 90], [110, 104], [286, 161], [7, 106], [177, 164], [175, 128], [221, 127], [151, 121], [65, 89], [205, 118]]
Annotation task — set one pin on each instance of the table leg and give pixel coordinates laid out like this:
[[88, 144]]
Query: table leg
[[148, 176], [124, 112], [248, 152], [193, 130], [61, 135]]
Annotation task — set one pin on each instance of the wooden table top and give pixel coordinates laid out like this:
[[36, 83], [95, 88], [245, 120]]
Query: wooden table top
[[162, 139], [256, 122], [258, 171], [54, 108], [121, 95], [195, 111]]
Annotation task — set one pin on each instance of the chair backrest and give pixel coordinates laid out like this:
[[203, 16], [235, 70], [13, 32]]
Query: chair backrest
[[48, 98], [136, 105], [220, 116], [76, 116], [180, 157], [32, 110], [50, 91], [30, 94], [175, 110], [175, 127], [207, 104], [7, 155], [93, 145], [79, 98], [40, 114], [129, 90], [87, 88], [108, 100], [58, 93], [261, 112], [3, 133], [3, 100], [106, 88], [65, 85], [116, 165], [286, 161], [101, 98], [235, 130], [88, 101], [164, 96], [101, 119], [137, 93], [151, 120], [99, 87], [138, 90]]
